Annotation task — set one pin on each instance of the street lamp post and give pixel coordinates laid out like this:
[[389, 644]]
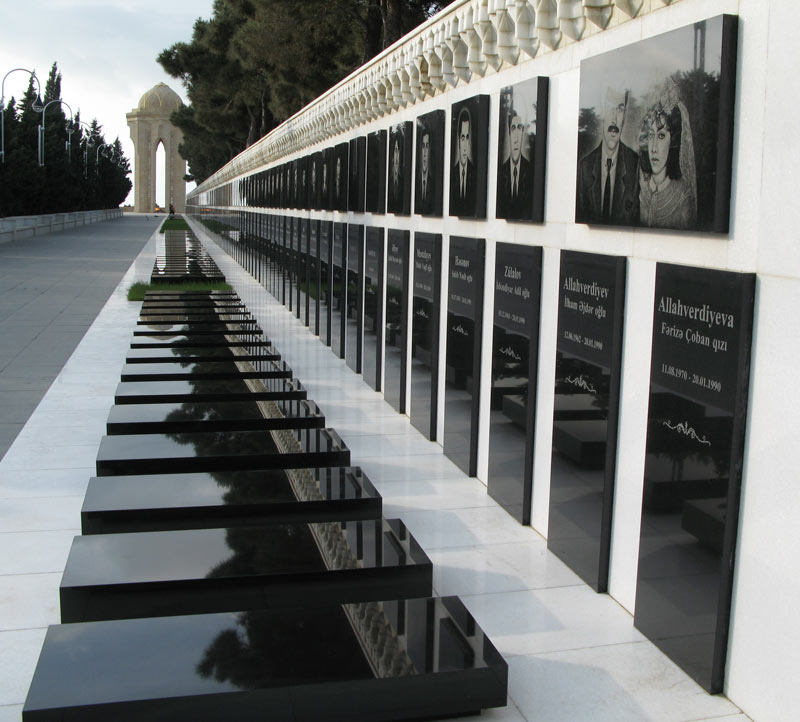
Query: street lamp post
[[88, 140], [36, 105], [70, 129]]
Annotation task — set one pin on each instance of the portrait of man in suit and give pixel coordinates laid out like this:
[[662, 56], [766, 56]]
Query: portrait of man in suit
[[515, 179], [462, 179], [425, 190], [607, 189], [396, 177]]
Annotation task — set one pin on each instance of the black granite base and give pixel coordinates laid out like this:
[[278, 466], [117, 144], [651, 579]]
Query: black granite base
[[206, 500], [220, 416], [182, 354], [224, 450], [204, 340], [398, 660], [161, 392], [197, 571], [249, 326], [192, 370]]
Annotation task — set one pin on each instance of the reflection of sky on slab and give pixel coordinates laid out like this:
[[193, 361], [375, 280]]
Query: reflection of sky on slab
[[641, 67], [524, 97]]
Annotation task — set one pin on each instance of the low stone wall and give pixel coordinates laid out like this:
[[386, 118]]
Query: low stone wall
[[27, 226]]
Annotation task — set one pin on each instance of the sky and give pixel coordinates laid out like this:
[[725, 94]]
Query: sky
[[105, 50]]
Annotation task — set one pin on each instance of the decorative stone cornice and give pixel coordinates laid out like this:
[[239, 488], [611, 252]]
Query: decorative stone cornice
[[468, 40]]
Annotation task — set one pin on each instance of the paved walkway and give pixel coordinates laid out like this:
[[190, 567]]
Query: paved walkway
[[51, 289]]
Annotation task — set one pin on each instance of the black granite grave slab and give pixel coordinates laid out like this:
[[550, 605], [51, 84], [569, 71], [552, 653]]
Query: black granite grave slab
[[203, 370], [181, 318], [586, 412], [395, 337], [515, 350], [354, 298], [223, 450], [182, 354], [425, 333], [206, 340], [171, 307], [178, 329], [216, 416], [156, 294], [212, 390], [699, 381], [204, 500], [463, 369], [391, 660], [372, 356], [198, 571]]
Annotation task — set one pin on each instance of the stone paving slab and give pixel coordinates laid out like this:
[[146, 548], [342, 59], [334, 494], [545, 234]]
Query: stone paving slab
[[51, 289]]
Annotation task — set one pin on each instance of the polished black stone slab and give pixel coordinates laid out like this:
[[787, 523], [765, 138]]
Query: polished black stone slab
[[586, 412], [463, 369], [210, 451], [214, 416], [391, 660], [178, 329], [515, 351], [425, 333], [206, 340], [375, 197], [354, 298], [182, 354], [160, 319], [197, 571], [204, 500], [155, 294], [325, 280], [203, 370], [395, 337], [313, 288], [338, 303], [211, 390], [699, 382], [372, 356]]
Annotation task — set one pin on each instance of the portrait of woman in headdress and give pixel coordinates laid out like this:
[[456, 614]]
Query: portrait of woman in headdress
[[668, 176]]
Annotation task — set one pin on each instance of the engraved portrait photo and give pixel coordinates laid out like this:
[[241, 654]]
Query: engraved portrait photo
[[521, 150], [655, 131], [398, 191], [428, 174], [469, 132]]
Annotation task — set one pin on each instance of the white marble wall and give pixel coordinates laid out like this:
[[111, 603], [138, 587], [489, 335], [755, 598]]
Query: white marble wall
[[764, 657]]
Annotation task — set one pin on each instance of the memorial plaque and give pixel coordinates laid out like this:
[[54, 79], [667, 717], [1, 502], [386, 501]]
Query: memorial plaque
[[207, 500], [339, 289], [586, 412], [340, 177], [429, 173], [375, 200], [192, 370], [358, 164], [398, 191], [302, 273], [297, 663], [699, 377], [355, 297], [313, 288], [463, 369], [669, 125], [325, 280], [425, 332], [395, 332], [181, 354], [373, 308], [315, 191], [469, 150], [515, 350], [328, 159]]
